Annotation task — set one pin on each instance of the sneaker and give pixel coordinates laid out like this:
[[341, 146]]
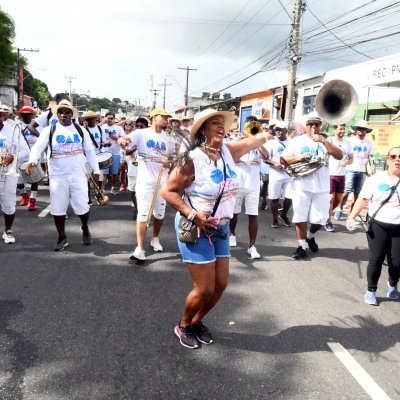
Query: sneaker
[[329, 227], [122, 188], [312, 245], [114, 191], [31, 204], [300, 253], [187, 337], [338, 215], [86, 237], [232, 241], [370, 298], [392, 292], [61, 244], [8, 237], [275, 223], [263, 205], [202, 333], [24, 199], [252, 252], [285, 220], [138, 254], [156, 245]]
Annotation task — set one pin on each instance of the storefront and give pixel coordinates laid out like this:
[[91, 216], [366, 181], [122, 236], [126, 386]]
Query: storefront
[[258, 104]]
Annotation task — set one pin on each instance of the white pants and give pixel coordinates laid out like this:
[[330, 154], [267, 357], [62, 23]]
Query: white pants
[[69, 189], [280, 188], [312, 207], [251, 198], [8, 196], [144, 197]]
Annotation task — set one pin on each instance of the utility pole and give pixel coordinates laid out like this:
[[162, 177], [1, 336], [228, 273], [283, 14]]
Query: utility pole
[[294, 58], [19, 81], [137, 101], [155, 94], [70, 87], [165, 84], [187, 86]]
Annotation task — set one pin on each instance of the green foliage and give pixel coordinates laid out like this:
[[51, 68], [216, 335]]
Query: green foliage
[[37, 89], [7, 55]]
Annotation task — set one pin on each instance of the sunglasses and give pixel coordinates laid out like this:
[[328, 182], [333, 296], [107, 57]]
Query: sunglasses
[[313, 124], [64, 111], [110, 117], [140, 126], [128, 124], [394, 157]]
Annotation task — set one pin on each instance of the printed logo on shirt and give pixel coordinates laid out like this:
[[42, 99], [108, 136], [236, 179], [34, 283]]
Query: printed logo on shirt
[[217, 176], [384, 187], [152, 144], [54, 121]]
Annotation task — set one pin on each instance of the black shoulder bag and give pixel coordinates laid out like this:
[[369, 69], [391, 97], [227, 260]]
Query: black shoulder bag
[[368, 220]]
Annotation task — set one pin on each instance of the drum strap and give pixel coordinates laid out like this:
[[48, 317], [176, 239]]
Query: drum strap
[[23, 135], [53, 129], [93, 140]]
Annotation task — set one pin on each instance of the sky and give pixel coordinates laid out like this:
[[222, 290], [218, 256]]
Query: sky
[[123, 48]]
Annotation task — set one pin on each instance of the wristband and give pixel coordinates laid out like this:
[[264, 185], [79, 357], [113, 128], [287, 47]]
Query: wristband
[[192, 214]]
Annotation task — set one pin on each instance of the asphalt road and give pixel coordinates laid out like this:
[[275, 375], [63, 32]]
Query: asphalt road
[[87, 323]]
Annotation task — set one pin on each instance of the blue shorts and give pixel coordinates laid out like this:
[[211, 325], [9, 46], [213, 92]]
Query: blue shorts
[[204, 252], [113, 170], [354, 181]]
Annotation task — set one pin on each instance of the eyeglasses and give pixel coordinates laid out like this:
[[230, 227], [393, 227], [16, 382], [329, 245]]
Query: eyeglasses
[[128, 124], [317, 124], [393, 157], [64, 111], [110, 117], [140, 126]]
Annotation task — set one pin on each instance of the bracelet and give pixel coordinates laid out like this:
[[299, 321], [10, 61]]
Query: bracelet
[[192, 214]]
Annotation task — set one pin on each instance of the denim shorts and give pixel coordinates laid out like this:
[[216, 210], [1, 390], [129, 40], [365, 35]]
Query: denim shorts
[[354, 181], [205, 250]]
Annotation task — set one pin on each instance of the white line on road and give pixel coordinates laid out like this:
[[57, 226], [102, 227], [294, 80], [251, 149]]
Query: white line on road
[[358, 372], [45, 211]]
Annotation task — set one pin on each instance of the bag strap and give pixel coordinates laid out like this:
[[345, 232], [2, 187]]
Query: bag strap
[[23, 135], [392, 190], [93, 139]]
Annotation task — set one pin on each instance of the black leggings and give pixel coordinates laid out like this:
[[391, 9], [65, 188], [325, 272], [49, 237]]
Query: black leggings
[[383, 239]]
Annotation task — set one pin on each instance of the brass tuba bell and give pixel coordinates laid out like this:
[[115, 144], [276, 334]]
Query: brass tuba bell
[[337, 102], [252, 128]]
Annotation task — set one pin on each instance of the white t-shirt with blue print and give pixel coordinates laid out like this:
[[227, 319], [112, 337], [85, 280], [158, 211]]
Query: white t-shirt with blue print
[[361, 150], [318, 182], [377, 188], [275, 149]]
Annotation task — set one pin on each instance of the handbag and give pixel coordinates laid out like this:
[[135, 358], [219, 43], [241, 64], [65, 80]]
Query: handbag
[[187, 230]]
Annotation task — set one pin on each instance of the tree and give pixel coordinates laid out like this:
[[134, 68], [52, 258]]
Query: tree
[[37, 89], [7, 56], [116, 100]]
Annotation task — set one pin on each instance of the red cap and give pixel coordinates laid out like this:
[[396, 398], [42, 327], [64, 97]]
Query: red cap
[[27, 110]]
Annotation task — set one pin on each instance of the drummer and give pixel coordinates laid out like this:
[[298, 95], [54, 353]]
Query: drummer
[[9, 138], [26, 115]]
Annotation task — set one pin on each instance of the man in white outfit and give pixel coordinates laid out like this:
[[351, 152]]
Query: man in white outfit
[[70, 148]]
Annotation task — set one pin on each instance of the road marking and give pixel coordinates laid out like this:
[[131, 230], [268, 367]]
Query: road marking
[[45, 211], [358, 372]]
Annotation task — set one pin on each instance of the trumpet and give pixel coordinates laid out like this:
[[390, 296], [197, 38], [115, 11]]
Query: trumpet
[[100, 197], [252, 128]]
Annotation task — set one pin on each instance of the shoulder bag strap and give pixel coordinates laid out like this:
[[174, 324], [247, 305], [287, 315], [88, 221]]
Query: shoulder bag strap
[[392, 190]]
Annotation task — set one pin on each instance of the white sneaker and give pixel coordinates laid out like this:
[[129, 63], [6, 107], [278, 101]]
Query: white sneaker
[[8, 237], [138, 254], [252, 252], [232, 241], [156, 245]]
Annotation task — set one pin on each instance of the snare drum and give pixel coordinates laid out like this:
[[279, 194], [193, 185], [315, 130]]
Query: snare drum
[[36, 176], [105, 159]]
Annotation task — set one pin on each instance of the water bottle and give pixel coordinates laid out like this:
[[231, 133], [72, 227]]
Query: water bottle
[[351, 227]]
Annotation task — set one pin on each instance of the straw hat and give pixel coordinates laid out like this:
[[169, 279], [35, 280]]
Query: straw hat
[[204, 115], [65, 104], [91, 114], [363, 125]]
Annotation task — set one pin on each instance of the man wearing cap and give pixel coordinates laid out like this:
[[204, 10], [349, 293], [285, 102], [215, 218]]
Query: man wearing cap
[[311, 202], [112, 133], [363, 150], [248, 169], [70, 147], [6, 113], [280, 182], [9, 138], [186, 124], [337, 172], [155, 150], [26, 114]]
